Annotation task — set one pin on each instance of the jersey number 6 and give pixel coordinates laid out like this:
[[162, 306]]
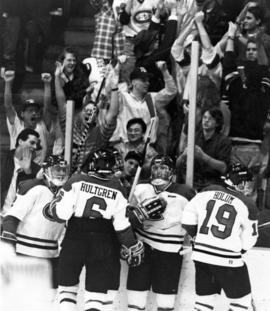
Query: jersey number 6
[[93, 207], [225, 216]]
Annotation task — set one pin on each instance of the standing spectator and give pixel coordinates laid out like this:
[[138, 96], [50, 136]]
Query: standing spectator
[[25, 168], [27, 225], [212, 151], [162, 234], [12, 13], [247, 89], [251, 23], [37, 26], [138, 103], [88, 134], [135, 16], [95, 208], [30, 118], [136, 129], [73, 77], [109, 37], [224, 225]]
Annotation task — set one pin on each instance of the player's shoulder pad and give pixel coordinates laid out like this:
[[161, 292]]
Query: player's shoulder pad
[[117, 185], [183, 190], [213, 188], [25, 185], [76, 177], [253, 211]]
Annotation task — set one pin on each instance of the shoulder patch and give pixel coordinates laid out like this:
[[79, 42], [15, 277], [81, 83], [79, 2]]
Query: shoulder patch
[[26, 185]]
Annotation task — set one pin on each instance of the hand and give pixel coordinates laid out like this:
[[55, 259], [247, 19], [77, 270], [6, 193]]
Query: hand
[[24, 155], [232, 29], [198, 153], [122, 59], [9, 76], [134, 254], [162, 65], [46, 77], [199, 17], [58, 69]]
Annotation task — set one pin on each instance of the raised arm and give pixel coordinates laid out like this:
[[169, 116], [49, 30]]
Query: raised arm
[[60, 95], [177, 50], [205, 40], [114, 104], [8, 104], [164, 96], [47, 97]]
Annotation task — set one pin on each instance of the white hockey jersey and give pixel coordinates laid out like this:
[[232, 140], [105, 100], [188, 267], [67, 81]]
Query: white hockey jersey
[[167, 234], [90, 196], [37, 233], [226, 224]]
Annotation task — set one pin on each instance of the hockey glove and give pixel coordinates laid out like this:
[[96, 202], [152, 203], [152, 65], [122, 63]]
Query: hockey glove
[[133, 254], [150, 209]]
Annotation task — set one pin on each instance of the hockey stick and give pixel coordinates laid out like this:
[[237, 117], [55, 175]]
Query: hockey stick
[[266, 224], [138, 172]]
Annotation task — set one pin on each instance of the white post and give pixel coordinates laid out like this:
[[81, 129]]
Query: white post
[[69, 131], [192, 112]]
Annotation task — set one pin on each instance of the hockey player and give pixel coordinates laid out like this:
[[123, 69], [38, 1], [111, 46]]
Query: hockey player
[[27, 224], [95, 208], [224, 224], [158, 207]]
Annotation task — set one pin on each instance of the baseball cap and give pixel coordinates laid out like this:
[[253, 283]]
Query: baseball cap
[[139, 73], [29, 103]]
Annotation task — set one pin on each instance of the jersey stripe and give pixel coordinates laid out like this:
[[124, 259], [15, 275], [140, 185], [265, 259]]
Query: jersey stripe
[[146, 235], [36, 239]]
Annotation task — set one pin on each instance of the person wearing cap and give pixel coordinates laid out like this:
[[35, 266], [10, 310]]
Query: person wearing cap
[[30, 117], [136, 129], [139, 103]]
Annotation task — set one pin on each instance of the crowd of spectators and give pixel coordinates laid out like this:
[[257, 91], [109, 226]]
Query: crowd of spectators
[[136, 85]]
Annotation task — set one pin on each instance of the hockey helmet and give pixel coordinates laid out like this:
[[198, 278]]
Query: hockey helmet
[[102, 161], [162, 168], [56, 170]]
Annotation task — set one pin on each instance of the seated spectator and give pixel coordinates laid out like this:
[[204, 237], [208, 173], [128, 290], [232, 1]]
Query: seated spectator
[[246, 90], [251, 23], [212, 152], [138, 103], [131, 163], [88, 134], [24, 167], [136, 129], [30, 118], [74, 77]]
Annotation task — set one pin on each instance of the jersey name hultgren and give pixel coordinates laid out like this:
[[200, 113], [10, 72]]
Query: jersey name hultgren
[[102, 192]]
